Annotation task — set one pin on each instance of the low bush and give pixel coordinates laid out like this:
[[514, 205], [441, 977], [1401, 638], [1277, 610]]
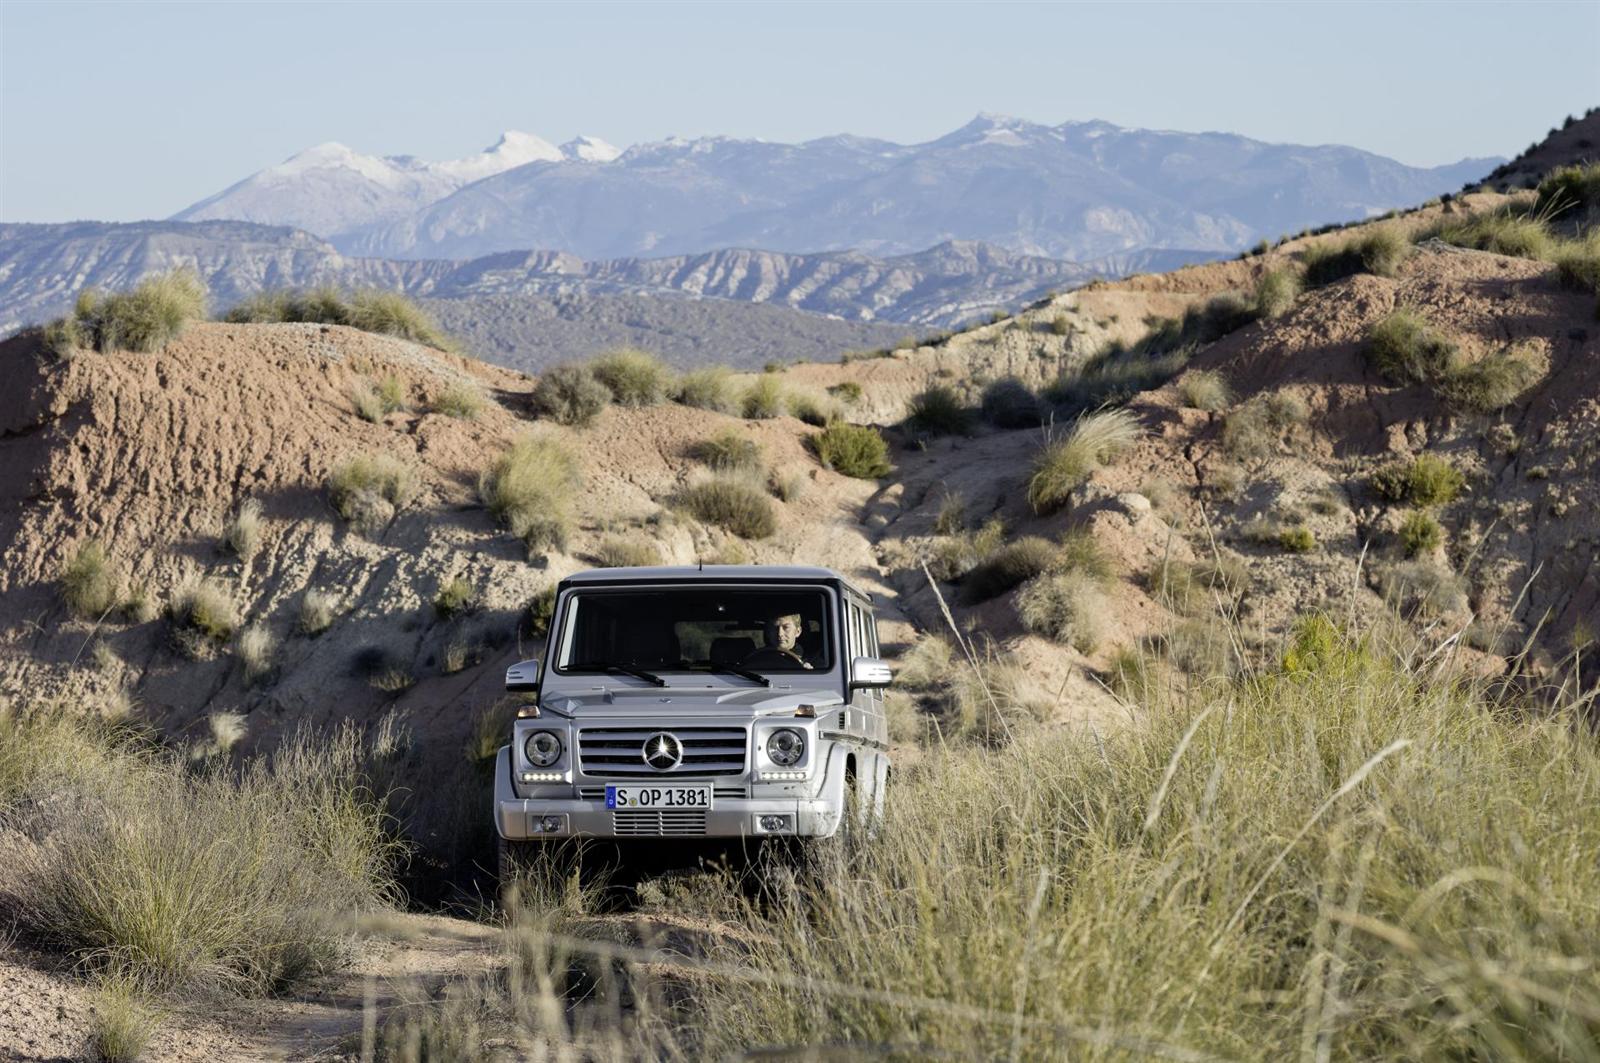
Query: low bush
[[619, 551], [367, 490], [461, 400], [203, 618], [1258, 428], [456, 596], [938, 410], [1426, 481], [1497, 379], [710, 388], [1067, 607], [788, 487], [732, 504], [763, 398], [89, 584], [1378, 252], [1420, 534], [242, 533], [1205, 389], [208, 881], [851, 450], [1081, 552], [369, 309], [635, 378], [1297, 539], [1009, 566], [1061, 465], [530, 489], [1275, 293], [728, 451], [955, 554], [1578, 262], [1405, 349], [846, 391], [1569, 191], [1009, 403], [318, 610], [1423, 587], [570, 395], [1502, 232], [144, 319], [811, 407], [540, 611]]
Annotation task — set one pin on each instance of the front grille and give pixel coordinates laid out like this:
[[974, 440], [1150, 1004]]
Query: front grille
[[718, 793], [657, 822], [618, 752]]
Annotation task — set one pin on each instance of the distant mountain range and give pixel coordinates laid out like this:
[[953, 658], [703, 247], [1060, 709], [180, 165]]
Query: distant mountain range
[[1077, 191]]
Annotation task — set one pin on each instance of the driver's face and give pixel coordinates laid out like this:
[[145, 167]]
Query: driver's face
[[787, 631]]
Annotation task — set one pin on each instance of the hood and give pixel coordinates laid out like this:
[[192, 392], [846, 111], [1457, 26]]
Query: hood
[[680, 703]]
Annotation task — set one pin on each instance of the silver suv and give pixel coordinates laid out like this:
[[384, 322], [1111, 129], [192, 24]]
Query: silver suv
[[718, 702]]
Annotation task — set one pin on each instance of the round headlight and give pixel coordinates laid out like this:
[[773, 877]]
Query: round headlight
[[785, 746], [543, 748]]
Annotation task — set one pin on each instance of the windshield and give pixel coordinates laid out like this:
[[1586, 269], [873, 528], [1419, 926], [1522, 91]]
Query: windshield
[[667, 629]]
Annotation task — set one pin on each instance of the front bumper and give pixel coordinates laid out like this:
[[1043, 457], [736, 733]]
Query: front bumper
[[520, 818]]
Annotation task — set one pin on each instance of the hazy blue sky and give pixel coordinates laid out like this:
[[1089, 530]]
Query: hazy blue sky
[[134, 110]]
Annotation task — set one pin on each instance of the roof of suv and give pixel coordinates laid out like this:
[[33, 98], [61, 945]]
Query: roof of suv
[[693, 573]]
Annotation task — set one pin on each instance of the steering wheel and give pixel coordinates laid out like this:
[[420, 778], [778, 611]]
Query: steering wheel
[[771, 657]]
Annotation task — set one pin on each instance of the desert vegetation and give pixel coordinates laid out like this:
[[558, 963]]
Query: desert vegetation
[[142, 320], [529, 489], [368, 489], [731, 502], [1378, 251], [89, 584], [851, 450], [635, 378], [1063, 464], [368, 309], [570, 395]]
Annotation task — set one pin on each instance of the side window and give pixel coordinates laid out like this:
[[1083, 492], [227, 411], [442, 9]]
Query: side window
[[852, 630], [872, 634]]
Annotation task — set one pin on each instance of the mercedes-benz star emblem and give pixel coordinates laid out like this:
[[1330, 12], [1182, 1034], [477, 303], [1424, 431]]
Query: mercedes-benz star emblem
[[662, 751]]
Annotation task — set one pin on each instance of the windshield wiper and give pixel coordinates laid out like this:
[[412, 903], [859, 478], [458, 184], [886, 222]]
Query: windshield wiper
[[618, 669], [733, 669]]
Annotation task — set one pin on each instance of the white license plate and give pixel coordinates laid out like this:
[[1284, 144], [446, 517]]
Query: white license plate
[[658, 797]]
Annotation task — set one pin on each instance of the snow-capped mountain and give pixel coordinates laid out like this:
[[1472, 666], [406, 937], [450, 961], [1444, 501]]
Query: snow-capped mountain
[[1077, 191], [332, 188]]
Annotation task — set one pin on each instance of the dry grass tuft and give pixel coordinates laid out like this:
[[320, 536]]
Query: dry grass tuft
[[203, 618], [254, 648], [1066, 607], [89, 584], [763, 398], [729, 451], [318, 610], [1095, 440], [1205, 389], [570, 395], [367, 490], [732, 503], [242, 534], [460, 400], [456, 596], [145, 319], [635, 378], [710, 388], [530, 489], [626, 551]]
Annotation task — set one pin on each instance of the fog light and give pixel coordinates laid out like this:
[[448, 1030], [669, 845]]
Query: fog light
[[774, 824], [541, 776], [553, 824]]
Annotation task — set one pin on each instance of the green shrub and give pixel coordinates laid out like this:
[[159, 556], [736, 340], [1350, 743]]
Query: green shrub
[[1009, 403], [456, 596], [1009, 566], [851, 450], [618, 551], [812, 408], [1496, 380], [1317, 644], [1502, 232], [1427, 481], [1276, 291], [1578, 262], [460, 399], [1205, 389], [1063, 464], [728, 451], [763, 399], [1405, 349], [710, 388], [1569, 190], [1061, 325], [1379, 252], [530, 490], [1067, 607], [203, 618], [393, 314], [89, 585], [570, 395], [368, 489], [732, 504], [145, 319], [846, 391], [540, 612], [1297, 539], [1420, 534], [938, 410], [635, 378]]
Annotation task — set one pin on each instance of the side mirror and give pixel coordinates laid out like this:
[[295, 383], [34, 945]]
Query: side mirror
[[523, 677], [869, 672]]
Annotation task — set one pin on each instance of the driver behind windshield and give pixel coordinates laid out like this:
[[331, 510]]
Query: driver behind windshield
[[783, 644]]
